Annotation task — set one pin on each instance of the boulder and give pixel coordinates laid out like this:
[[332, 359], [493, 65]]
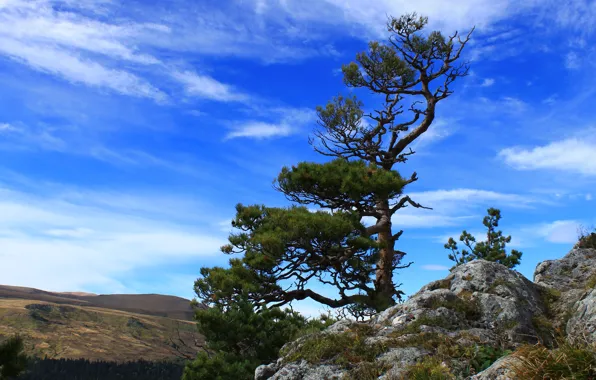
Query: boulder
[[479, 306], [480, 303], [571, 281], [582, 323]]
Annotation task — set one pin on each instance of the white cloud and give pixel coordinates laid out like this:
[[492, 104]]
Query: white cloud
[[291, 121], [559, 231], [56, 42], [74, 69], [53, 242], [38, 22], [487, 82], [207, 87], [572, 61], [453, 200], [5, 127], [407, 220], [454, 207], [572, 155], [434, 267], [260, 130], [441, 129], [506, 104], [588, 197], [70, 232], [372, 15]]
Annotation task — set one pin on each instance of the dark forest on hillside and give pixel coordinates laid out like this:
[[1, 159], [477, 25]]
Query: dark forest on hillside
[[82, 369]]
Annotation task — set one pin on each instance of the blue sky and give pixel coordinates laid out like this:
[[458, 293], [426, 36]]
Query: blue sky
[[130, 129]]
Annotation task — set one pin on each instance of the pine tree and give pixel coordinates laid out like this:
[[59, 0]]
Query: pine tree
[[493, 249], [12, 359], [285, 250]]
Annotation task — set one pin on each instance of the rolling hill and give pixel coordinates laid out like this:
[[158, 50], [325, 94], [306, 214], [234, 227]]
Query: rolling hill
[[114, 327]]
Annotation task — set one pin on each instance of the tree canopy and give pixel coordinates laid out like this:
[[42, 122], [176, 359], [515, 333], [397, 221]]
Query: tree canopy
[[493, 249], [13, 361], [240, 339], [285, 250]]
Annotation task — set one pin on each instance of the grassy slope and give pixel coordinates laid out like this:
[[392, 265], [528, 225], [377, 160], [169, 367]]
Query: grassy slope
[[151, 304], [97, 333]]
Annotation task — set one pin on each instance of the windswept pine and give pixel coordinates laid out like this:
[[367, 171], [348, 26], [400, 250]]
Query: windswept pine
[[286, 250]]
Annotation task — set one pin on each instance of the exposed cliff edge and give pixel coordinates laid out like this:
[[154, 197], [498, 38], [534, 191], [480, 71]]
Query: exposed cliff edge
[[480, 312]]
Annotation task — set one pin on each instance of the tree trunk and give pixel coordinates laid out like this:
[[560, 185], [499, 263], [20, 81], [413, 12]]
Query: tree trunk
[[384, 274]]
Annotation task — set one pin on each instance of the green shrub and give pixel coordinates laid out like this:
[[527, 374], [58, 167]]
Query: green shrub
[[586, 239], [239, 339], [12, 359]]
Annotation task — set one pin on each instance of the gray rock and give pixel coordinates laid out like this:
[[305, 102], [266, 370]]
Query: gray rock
[[265, 372], [571, 272], [568, 277], [480, 302], [340, 326], [502, 369], [582, 324], [399, 359], [305, 371]]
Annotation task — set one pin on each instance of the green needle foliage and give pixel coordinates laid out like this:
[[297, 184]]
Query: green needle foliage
[[240, 339], [12, 359], [284, 251], [493, 249]]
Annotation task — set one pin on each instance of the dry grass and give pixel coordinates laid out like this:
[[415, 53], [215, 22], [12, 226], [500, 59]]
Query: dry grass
[[95, 333], [572, 359]]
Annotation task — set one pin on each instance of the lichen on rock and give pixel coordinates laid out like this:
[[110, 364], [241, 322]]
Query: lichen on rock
[[481, 311]]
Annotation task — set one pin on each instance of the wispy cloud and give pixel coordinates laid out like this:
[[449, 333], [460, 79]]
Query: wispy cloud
[[68, 245], [558, 232], [487, 82], [571, 155], [59, 42], [207, 87], [454, 207], [291, 120], [74, 69], [260, 130], [440, 130], [572, 61], [5, 127]]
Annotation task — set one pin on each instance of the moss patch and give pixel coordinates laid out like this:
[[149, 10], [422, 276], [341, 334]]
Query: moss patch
[[344, 349], [429, 368], [469, 308], [591, 283], [367, 371]]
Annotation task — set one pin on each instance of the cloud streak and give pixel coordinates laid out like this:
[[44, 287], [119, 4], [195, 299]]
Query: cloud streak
[[570, 155], [66, 245]]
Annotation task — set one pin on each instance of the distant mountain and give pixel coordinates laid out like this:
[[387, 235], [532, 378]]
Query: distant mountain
[[111, 327], [149, 304]]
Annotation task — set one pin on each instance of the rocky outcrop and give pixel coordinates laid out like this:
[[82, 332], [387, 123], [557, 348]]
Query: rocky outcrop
[[568, 278], [582, 323], [460, 323]]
